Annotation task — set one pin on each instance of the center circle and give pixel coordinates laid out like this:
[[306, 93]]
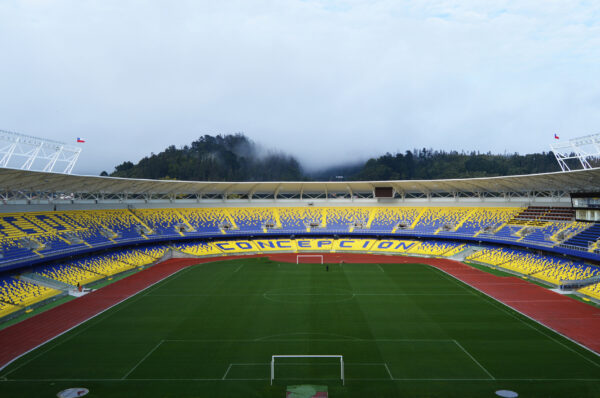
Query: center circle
[[301, 295]]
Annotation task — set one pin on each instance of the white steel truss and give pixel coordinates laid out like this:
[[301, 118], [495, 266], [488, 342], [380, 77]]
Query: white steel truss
[[583, 149], [20, 151]]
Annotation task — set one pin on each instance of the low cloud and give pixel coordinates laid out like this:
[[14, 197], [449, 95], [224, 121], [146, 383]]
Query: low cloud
[[329, 82]]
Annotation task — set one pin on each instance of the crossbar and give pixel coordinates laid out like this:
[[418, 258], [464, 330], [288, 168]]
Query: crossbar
[[308, 255], [341, 357]]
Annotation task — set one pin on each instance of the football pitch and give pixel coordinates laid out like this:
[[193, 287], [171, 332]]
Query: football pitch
[[210, 330]]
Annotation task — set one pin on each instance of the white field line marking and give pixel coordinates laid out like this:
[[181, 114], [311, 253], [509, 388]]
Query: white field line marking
[[452, 278], [264, 340], [182, 271], [304, 334], [257, 379], [311, 294], [227, 371], [388, 370], [134, 296], [380, 268], [239, 268], [336, 363], [143, 359], [503, 308], [474, 360]]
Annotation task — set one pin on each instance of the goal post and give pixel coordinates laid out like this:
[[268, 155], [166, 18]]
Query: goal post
[[317, 257], [341, 357]]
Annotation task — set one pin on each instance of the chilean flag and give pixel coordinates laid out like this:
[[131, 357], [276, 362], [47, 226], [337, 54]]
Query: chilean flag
[[80, 140], [555, 136]]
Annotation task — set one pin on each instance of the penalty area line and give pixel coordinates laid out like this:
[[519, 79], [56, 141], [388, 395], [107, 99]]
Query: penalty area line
[[239, 268], [534, 380], [388, 370], [143, 359], [474, 360], [227, 371]]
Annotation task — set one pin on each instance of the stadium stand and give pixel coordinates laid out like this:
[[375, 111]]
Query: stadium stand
[[252, 219], [207, 220], [585, 238], [6, 309], [567, 271], [41, 234], [198, 249], [591, 290], [392, 219], [301, 219], [516, 260], [543, 267], [69, 274], [18, 293]]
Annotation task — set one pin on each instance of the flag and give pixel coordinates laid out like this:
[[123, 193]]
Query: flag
[[80, 139], [555, 136]]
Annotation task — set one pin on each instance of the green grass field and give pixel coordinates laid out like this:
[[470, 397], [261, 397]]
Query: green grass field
[[405, 330]]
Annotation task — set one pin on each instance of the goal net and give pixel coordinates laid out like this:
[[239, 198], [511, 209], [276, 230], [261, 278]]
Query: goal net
[[317, 357], [309, 259]]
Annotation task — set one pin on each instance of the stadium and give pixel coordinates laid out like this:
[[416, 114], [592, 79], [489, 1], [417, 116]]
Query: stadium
[[474, 287]]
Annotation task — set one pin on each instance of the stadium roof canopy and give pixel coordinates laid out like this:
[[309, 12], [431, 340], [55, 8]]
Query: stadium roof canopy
[[31, 185]]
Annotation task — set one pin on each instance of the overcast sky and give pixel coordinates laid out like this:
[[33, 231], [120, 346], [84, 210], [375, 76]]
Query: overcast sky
[[327, 81]]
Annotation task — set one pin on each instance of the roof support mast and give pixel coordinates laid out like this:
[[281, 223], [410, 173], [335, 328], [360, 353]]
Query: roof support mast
[[582, 149], [20, 151]]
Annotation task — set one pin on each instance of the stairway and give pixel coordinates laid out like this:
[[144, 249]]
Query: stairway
[[47, 282]]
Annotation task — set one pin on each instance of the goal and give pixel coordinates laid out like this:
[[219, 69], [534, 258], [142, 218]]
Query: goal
[[341, 357], [309, 258]]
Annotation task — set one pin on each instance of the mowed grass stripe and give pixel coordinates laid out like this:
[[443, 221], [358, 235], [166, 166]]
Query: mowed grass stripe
[[191, 329]]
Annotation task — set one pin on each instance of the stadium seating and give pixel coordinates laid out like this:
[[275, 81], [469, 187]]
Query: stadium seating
[[301, 219], [6, 309], [585, 237], [252, 219], [69, 274], [36, 236], [429, 248], [391, 219], [544, 267], [345, 219], [18, 293], [199, 249], [516, 260], [567, 271], [591, 290], [391, 246]]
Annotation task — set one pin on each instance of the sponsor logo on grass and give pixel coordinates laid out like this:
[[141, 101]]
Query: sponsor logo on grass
[[306, 391], [73, 392]]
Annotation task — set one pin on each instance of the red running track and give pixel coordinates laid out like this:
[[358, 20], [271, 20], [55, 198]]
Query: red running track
[[576, 320], [20, 338]]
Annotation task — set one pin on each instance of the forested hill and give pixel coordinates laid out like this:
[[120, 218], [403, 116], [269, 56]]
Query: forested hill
[[237, 158], [427, 164], [219, 158]]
